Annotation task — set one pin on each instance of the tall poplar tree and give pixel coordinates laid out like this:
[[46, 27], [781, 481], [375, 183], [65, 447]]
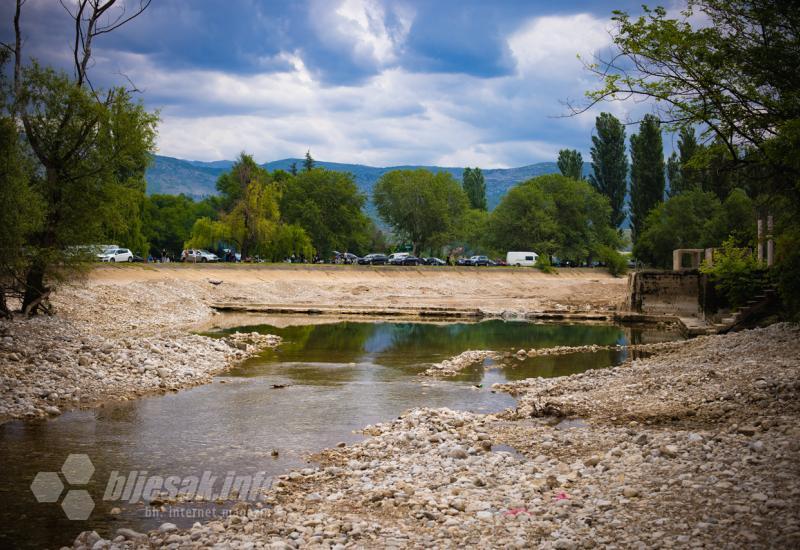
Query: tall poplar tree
[[475, 187], [610, 165], [647, 172], [570, 163], [682, 176]]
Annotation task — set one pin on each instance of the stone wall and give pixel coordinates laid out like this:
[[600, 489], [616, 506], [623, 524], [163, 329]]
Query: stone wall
[[665, 292]]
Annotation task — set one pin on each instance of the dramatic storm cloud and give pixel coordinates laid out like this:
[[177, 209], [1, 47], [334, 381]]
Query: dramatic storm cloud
[[371, 81]]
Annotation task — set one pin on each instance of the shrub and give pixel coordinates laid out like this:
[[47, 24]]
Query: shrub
[[544, 265], [736, 274], [615, 262]]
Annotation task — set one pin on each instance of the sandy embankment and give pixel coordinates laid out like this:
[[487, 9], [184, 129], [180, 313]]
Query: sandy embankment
[[124, 331]]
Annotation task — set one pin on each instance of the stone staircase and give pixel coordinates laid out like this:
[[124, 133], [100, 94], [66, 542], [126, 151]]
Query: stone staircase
[[756, 305]]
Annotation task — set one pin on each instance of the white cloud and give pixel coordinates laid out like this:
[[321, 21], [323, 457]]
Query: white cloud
[[550, 45], [362, 27]]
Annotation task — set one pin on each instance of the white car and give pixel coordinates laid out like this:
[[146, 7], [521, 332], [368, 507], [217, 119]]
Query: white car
[[522, 259], [116, 255], [193, 255]]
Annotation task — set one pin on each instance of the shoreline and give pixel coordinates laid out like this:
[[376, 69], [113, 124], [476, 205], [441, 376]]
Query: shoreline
[[696, 445], [123, 332]]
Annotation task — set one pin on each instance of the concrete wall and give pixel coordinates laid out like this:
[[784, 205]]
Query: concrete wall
[[665, 293]]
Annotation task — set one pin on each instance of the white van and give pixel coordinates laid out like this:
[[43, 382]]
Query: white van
[[520, 259]]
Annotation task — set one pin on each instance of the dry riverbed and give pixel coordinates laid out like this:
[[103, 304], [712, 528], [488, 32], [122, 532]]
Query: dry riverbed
[[695, 446]]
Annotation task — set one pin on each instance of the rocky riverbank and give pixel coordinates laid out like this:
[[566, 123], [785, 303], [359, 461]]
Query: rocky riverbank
[[695, 446], [110, 346]]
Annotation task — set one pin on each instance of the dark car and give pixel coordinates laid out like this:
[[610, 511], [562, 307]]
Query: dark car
[[137, 258], [464, 261], [373, 259], [405, 259], [344, 258], [433, 261], [500, 262], [480, 260]]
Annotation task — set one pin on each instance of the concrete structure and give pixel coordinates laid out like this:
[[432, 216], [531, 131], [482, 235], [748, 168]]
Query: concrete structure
[[665, 293], [695, 256]]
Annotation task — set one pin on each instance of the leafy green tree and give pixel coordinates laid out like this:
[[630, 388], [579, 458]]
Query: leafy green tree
[[308, 163], [693, 219], [168, 221], [21, 214], [475, 187], [682, 174], [329, 207], [232, 184], [647, 172], [553, 215], [293, 169], [420, 206], [570, 163], [610, 165]]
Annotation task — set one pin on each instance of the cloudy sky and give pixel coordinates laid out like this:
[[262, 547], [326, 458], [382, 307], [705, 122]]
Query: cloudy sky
[[380, 82]]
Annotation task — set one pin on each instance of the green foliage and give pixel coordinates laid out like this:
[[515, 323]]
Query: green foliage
[[168, 221], [610, 165], [615, 262], [647, 172], [544, 265], [475, 187], [552, 215], [90, 155], [420, 206], [682, 174], [570, 163], [787, 252], [22, 211], [328, 206], [736, 274], [308, 162], [232, 185], [694, 219], [473, 231]]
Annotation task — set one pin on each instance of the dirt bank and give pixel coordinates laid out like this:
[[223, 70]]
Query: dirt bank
[[696, 446], [124, 331]]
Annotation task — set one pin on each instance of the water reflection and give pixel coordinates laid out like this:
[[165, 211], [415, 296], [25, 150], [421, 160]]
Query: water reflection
[[338, 376]]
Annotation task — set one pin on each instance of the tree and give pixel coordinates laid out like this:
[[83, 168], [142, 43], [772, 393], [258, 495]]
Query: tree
[[168, 220], [232, 184], [308, 163], [21, 214], [293, 168], [610, 165], [553, 215], [329, 207], [681, 173], [90, 148], [570, 163], [420, 206], [474, 186], [647, 172], [693, 219]]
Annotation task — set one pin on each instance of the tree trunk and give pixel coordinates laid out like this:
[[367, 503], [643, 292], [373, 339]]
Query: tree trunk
[[35, 290]]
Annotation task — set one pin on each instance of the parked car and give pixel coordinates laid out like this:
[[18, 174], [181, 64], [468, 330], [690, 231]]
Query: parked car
[[116, 255], [464, 261], [137, 258], [374, 259], [522, 259], [395, 258], [407, 260], [403, 258], [195, 256], [480, 261], [344, 258], [500, 262], [433, 261]]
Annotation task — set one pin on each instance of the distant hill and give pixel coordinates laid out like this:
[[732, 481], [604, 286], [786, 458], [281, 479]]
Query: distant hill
[[197, 179]]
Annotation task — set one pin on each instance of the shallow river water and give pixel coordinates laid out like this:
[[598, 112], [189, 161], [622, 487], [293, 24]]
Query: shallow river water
[[333, 379]]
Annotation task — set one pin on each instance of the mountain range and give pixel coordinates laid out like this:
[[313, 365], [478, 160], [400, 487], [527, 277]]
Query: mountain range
[[197, 179]]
